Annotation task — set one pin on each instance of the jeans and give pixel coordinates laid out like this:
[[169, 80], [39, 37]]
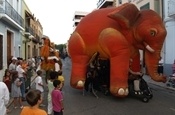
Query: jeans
[[22, 87], [57, 113]]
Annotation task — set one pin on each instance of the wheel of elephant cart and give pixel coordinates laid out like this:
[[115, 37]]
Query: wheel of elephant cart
[[145, 99]]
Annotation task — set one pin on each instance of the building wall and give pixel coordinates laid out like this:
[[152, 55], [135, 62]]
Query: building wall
[[155, 5], [78, 15], [14, 46], [23, 45], [30, 48], [169, 6], [15, 35]]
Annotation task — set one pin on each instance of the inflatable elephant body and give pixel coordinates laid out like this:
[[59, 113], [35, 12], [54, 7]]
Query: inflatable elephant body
[[117, 34]]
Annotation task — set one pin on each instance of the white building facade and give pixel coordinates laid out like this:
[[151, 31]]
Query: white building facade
[[78, 16], [11, 26], [169, 45]]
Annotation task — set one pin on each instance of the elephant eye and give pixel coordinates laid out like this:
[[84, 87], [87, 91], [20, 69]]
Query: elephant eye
[[153, 32]]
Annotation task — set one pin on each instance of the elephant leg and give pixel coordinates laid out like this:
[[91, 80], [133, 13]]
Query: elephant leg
[[115, 44], [79, 61]]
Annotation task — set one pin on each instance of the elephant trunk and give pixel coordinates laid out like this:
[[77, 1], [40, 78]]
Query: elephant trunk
[[152, 61]]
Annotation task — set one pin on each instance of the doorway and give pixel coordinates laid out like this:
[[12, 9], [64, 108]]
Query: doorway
[[9, 47]]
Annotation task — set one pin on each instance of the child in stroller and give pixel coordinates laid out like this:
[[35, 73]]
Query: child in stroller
[[139, 88]]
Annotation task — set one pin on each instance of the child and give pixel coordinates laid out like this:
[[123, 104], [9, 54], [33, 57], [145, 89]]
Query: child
[[61, 78], [34, 99], [53, 76], [16, 91], [7, 79], [39, 84], [57, 98]]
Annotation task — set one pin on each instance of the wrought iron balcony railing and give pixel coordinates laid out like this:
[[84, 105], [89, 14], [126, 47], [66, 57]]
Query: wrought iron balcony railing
[[29, 30], [7, 9], [36, 39]]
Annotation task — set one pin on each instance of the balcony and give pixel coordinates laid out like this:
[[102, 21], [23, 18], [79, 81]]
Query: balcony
[[29, 31], [10, 15], [36, 39], [171, 8], [104, 3]]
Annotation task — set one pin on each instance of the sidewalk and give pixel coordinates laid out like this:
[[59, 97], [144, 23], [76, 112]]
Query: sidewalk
[[160, 84]]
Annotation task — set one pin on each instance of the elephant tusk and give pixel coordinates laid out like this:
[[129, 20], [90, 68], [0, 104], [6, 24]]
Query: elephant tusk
[[149, 49]]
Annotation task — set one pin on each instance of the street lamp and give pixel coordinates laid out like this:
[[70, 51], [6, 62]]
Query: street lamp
[[19, 47]]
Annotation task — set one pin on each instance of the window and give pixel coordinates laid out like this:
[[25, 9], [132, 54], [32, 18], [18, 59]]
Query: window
[[145, 7], [157, 6], [1, 52], [120, 2]]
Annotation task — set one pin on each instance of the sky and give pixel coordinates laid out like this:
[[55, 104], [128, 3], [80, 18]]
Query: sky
[[56, 16]]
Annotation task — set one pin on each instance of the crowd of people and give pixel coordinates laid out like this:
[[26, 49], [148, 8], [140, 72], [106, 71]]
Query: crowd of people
[[15, 77], [55, 97], [14, 86]]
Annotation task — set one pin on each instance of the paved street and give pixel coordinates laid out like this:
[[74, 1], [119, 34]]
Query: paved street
[[77, 104]]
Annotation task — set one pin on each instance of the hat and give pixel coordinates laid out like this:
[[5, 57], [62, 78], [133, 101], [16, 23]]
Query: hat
[[61, 78], [14, 58]]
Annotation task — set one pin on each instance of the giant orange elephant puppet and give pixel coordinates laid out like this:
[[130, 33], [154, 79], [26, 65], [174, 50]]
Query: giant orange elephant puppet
[[117, 33]]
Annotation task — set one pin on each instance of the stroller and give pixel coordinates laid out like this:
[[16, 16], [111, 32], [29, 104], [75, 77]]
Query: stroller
[[139, 88], [171, 81]]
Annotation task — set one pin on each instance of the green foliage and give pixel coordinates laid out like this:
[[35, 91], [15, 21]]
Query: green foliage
[[60, 47]]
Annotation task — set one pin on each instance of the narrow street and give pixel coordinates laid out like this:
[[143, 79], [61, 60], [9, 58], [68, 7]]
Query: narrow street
[[78, 104]]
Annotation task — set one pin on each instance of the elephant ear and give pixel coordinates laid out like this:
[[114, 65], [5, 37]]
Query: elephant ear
[[125, 15]]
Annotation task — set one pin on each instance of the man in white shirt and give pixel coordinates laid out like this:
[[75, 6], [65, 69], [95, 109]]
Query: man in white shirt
[[21, 75], [12, 66], [4, 97]]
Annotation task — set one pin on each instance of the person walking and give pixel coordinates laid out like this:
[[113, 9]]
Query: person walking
[[4, 98], [57, 98]]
